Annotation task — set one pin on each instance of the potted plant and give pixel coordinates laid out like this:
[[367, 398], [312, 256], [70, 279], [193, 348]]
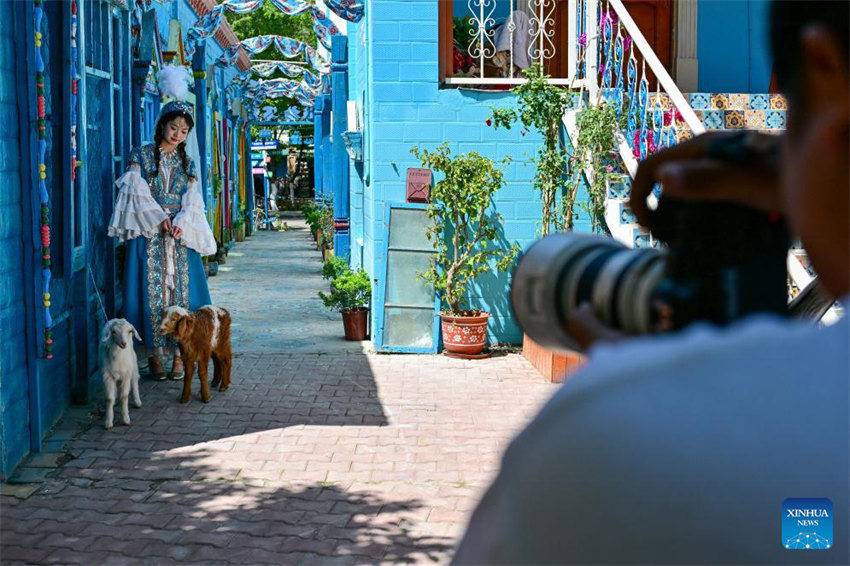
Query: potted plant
[[350, 294], [334, 267], [326, 226], [463, 229]]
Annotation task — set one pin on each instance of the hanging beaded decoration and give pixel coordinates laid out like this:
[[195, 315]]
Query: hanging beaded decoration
[[74, 77], [42, 185]]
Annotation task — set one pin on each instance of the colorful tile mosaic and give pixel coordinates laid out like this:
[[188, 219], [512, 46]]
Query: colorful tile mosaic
[[661, 99], [775, 119], [759, 102], [777, 102], [698, 101], [734, 120], [754, 119], [733, 111], [719, 101], [738, 101], [713, 119]]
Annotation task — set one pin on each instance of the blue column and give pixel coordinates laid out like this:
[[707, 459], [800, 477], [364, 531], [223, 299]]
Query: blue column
[[327, 153], [201, 114], [339, 96], [318, 146]]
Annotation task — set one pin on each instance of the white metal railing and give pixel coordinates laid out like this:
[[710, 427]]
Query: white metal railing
[[500, 49]]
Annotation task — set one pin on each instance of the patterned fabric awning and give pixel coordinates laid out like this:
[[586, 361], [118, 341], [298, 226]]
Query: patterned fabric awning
[[350, 10], [268, 68]]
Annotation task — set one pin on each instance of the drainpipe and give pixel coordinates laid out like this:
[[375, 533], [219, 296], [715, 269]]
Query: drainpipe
[[318, 146]]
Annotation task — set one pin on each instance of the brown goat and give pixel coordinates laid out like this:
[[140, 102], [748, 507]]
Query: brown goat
[[202, 334]]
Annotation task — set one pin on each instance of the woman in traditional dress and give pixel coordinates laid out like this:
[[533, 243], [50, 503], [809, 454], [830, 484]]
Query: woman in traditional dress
[[160, 213]]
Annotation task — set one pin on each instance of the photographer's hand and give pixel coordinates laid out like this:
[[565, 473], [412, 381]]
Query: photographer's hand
[[586, 329], [718, 166]]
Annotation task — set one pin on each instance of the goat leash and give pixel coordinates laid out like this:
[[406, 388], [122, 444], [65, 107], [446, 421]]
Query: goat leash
[[97, 293]]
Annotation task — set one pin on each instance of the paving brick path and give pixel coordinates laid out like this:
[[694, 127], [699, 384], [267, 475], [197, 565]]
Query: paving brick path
[[309, 458]]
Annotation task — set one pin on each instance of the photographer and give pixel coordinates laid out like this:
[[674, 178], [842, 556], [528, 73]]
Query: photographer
[[682, 448]]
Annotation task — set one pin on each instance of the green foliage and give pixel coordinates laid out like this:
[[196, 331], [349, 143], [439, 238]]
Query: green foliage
[[269, 20], [350, 290], [462, 229], [541, 107], [313, 216], [594, 152], [463, 30], [334, 267], [326, 225]]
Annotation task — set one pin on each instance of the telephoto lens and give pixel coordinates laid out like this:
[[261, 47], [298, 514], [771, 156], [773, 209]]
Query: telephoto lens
[[561, 271], [723, 261]]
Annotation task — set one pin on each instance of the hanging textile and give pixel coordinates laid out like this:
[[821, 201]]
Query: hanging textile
[[231, 54], [350, 10], [267, 69], [323, 26], [291, 7]]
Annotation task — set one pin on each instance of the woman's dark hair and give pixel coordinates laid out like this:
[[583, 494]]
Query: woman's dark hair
[[159, 135]]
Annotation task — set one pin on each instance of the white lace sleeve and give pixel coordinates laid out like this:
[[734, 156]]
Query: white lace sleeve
[[192, 220], [136, 212]]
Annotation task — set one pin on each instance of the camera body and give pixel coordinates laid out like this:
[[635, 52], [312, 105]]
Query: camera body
[[722, 261]]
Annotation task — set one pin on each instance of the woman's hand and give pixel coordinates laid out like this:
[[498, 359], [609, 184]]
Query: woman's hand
[[166, 227], [176, 231]]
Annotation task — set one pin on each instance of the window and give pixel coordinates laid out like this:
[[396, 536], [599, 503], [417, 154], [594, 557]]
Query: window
[[491, 41]]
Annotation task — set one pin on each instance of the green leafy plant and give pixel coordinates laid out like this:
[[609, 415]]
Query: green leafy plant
[[312, 216], [463, 228], [350, 290], [463, 30], [326, 225], [334, 267], [594, 153], [541, 107]]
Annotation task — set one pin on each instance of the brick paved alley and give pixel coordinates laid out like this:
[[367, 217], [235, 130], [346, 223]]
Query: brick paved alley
[[320, 452]]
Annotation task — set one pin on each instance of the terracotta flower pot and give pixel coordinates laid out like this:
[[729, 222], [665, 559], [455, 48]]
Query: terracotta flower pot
[[354, 323], [464, 334]]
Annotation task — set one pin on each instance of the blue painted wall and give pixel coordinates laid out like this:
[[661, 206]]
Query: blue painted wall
[[396, 74], [14, 409], [34, 391], [732, 46]]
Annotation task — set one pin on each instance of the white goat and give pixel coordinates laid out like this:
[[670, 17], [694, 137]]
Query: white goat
[[119, 366]]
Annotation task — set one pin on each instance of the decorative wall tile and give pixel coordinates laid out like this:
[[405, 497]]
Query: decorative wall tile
[[661, 99], [713, 119], [759, 102], [734, 120], [775, 119], [683, 135], [754, 119], [719, 101], [777, 102], [738, 101], [698, 101]]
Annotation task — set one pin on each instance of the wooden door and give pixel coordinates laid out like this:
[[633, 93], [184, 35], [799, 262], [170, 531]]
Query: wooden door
[[654, 18]]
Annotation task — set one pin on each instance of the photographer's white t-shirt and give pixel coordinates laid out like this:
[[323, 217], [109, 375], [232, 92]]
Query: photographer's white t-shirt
[[679, 449]]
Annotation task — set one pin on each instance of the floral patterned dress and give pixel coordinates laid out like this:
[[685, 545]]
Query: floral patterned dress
[[160, 270]]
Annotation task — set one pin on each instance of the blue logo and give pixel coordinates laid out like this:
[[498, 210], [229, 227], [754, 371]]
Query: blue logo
[[807, 524]]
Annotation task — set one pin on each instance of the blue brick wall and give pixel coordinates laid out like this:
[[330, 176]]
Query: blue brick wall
[[407, 107], [14, 405]]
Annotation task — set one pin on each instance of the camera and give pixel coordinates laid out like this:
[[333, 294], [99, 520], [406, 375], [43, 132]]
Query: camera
[[721, 261]]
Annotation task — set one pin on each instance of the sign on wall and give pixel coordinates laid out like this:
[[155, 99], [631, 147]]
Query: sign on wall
[[261, 145]]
